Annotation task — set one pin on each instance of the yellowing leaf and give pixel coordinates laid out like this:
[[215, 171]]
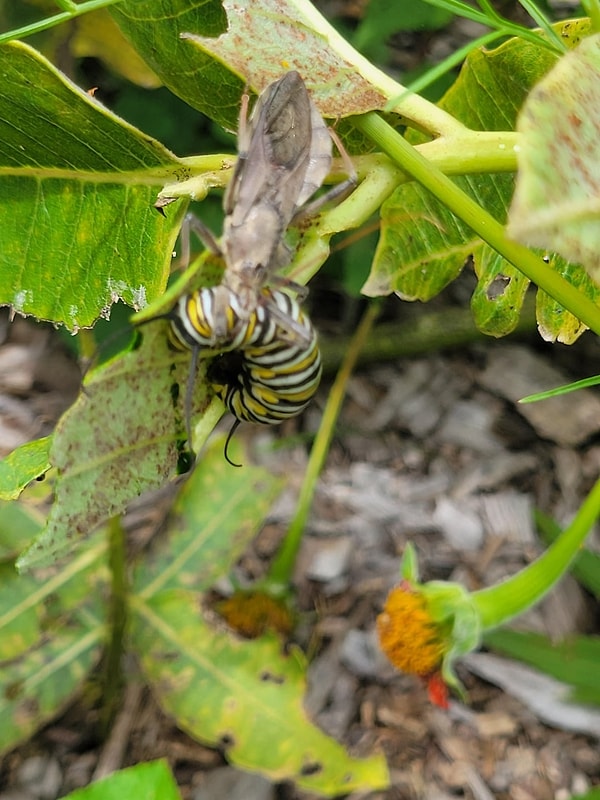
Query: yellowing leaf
[[209, 70], [52, 629], [244, 696], [124, 435], [557, 197]]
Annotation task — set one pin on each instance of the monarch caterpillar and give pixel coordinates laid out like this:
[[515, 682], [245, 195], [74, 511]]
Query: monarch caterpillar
[[196, 317], [263, 376]]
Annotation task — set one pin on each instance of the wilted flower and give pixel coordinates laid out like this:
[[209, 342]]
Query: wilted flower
[[425, 627], [253, 613]]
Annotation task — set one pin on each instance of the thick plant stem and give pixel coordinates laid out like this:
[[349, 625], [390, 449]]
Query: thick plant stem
[[491, 231], [500, 603], [426, 332]]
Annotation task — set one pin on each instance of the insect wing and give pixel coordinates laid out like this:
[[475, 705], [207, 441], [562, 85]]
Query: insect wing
[[319, 162], [285, 154], [274, 149], [297, 144]]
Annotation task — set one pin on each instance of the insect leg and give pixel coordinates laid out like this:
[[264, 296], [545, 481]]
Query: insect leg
[[282, 282], [193, 224], [243, 124], [189, 393]]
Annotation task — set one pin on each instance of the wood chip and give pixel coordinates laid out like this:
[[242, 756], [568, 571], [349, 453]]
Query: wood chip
[[569, 419], [509, 515], [460, 526], [546, 696]]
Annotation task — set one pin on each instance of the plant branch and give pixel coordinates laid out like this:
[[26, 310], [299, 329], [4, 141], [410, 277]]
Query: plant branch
[[72, 10], [425, 333], [489, 229], [504, 27]]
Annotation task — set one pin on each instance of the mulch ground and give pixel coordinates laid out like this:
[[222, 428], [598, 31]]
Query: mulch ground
[[431, 450]]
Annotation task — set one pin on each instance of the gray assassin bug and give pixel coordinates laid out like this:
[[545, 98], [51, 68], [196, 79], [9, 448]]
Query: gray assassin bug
[[284, 157]]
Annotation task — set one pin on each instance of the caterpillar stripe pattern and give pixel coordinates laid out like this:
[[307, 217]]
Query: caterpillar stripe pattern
[[268, 384], [263, 374]]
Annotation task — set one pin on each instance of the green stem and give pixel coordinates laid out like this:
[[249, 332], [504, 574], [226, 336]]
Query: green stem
[[491, 231], [586, 566], [72, 10], [500, 603], [466, 152], [473, 152], [112, 678], [504, 27], [282, 567], [540, 19], [427, 332], [592, 9]]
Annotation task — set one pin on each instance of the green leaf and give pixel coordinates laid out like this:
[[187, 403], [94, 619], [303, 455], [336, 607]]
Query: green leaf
[[499, 294], [217, 512], [123, 436], [19, 526], [557, 197], [244, 696], [193, 76], [574, 661], [23, 465], [211, 71], [423, 247], [77, 187], [151, 781], [51, 634], [554, 323], [216, 686]]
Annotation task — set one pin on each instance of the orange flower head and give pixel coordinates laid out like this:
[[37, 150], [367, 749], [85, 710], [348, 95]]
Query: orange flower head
[[409, 636]]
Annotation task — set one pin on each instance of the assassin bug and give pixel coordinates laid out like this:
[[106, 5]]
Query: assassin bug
[[284, 156]]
